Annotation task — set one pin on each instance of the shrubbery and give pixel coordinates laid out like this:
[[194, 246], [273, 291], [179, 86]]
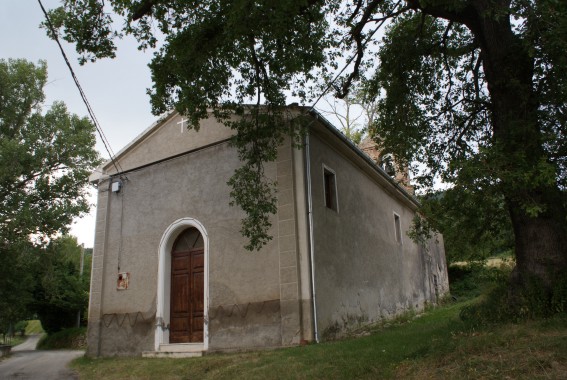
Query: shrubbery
[[472, 279], [503, 304], [72, 338]]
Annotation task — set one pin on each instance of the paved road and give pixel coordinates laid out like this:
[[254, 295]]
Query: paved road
[[27, 363], [29, 344]]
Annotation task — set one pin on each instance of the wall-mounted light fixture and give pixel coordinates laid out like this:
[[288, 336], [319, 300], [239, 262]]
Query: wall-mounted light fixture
[[116, 186]]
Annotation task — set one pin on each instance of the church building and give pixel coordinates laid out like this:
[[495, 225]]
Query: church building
[[171, 276]]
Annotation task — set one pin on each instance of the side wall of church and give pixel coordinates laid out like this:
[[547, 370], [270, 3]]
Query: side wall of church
[[364, 270]]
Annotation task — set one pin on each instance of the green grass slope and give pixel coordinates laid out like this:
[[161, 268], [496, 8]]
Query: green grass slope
[[434, 345]]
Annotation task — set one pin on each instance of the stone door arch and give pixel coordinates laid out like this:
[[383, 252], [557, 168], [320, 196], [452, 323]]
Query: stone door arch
[[163, 314]]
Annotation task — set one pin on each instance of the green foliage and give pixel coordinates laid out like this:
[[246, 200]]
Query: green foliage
[[34, 327], [473, 93], [68, 339], [448, 103], [17, 279], [60, 292], [21, 327], [273, 46], [470, 280], [475, 223], [46, 158], [532, 300], [259, 136]]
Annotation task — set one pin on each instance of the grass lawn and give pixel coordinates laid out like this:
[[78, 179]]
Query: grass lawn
[[13, 341], [34, 327], [435, 345]]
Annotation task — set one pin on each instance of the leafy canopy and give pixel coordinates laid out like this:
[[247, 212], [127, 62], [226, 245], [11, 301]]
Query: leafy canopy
[[60, 290], [45, 160], [473, 90]]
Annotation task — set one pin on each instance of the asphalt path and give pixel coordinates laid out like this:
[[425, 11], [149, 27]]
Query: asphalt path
[[27, 363]]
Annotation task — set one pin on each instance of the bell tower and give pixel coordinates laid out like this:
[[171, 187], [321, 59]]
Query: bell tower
[[388, 163]]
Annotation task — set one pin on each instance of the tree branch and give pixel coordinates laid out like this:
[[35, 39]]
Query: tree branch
[[476, 76], [450, 13], [394, 14], [142, 9], [357, 35], [446, 61], [355, 12]]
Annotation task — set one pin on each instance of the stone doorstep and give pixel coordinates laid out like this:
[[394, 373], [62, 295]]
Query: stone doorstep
[[173, 355], [182, 347], [183, 350]]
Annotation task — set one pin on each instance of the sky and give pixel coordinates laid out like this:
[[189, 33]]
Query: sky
[[115, 89]]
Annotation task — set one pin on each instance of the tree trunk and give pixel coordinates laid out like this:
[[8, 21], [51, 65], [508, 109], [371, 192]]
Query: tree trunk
[[540, 248], [533, 197], [518, 157]]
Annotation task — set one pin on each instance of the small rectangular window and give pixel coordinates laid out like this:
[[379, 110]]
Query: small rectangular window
[[398, 228], [329, 180]]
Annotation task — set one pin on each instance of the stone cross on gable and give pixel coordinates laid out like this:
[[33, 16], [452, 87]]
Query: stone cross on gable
[[182, 124]]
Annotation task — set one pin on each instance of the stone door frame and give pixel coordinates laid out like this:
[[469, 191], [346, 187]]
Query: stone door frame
[[164, 280]]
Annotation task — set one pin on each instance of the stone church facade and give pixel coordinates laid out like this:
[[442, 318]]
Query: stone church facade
[[170, 276]]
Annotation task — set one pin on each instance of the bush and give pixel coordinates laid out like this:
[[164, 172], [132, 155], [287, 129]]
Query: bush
[[21, 327], [506, 304], [55, 318], [73, 338], [475, 278]]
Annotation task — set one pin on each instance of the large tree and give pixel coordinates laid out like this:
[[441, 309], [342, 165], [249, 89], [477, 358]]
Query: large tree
[[473, 89], [61, 291], [45, 160]]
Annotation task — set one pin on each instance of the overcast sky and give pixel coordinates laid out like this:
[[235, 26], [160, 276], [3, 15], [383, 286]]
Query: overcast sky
[[116, 89]]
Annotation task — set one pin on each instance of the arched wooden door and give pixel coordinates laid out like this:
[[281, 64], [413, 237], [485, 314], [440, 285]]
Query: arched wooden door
[[187, 288]]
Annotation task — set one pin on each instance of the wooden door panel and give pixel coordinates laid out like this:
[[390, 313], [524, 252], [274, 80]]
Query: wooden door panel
[[197, 295], [197, 292], [197, 330], [178, 329], [180, 303], [197, 304], [180, 261], [187, 296], [198, 259]]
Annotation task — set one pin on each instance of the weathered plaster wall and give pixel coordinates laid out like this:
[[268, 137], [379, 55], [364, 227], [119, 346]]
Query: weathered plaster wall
[[362, 273], [295, 293], [244, 287], [97, 271], [170, 139]]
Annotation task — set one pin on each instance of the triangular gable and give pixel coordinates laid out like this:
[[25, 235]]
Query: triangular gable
[[165, 138]]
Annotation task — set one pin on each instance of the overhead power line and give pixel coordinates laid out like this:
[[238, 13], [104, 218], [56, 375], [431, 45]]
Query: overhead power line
[[83, 96]]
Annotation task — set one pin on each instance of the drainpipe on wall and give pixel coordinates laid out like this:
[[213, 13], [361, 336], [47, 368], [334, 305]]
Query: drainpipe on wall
[[311, 243]]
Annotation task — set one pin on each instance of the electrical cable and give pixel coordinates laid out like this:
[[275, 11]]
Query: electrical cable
[[83, 96]]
